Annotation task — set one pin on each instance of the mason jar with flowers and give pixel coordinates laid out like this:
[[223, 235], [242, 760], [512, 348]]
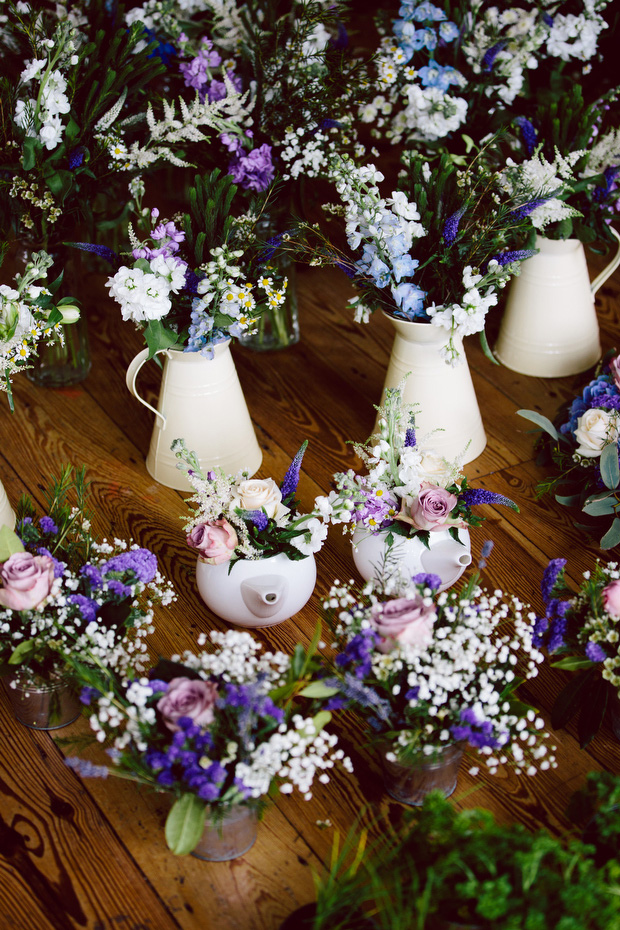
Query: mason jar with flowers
[[434, 674], [581, 447], [69, 601], [256, 564], [219, 730], [411, 512]]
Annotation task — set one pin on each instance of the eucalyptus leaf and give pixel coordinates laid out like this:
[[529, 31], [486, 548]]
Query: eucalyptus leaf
[[21, 652], [568, 500], [600, 508], [540, 420], [612, 536], [185, 824], [610, 472], [572, 663], [10, 543]]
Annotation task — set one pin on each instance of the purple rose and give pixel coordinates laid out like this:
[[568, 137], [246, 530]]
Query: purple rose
[[614, 369], [432, 509], [215, 541], [611, 598], [188, 697], [26, 580], [405, 620]]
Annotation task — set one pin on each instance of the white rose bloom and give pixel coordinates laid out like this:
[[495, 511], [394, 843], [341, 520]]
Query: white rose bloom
[[595, 428], [434, 467], [259, 494]]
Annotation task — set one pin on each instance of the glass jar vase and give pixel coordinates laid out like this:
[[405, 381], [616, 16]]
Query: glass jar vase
[[228, 836], [410, 782], [41, 704]]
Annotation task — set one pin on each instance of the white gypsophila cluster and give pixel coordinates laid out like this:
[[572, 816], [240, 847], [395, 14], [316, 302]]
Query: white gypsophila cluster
[[238, 658], [295, 755], [538, 179], [308, 156], [145, 295], [480, 644]]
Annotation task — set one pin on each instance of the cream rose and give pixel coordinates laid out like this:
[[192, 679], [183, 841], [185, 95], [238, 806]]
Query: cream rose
[[595, 428], [434, 467], [260, 494]]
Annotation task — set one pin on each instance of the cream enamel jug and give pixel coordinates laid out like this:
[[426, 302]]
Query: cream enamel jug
[[549, 327], [200, 401], [7, 515], [445, 394]]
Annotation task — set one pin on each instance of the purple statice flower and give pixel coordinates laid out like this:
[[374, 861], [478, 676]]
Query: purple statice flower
[[254, 171], [158, 686], [48, 525], [166, 779], [87, 694], [412, 694], [551, 574], [491, 54], [428, 580], [155, 759], [119, 589], [557, 630], [516, 255], [103, 251], [59, 567], [529, 134], [357, 653], [477, 733], [599, 194], [86, 769], [291, 478], [243, 789], [208, 791], [258, 517], [76, 157], [142, 562], [86, 606], [540, 627], [410, 439], [451, 226], [474, 496], [92, 575], [595, 653], [337, 702]]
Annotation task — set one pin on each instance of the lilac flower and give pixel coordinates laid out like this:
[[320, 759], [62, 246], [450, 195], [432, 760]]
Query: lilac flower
[[86, 606], [551, 574], [474, 496], [217, 90], [48, 525], [428, 580], [451, 226], [595, 653], [291, 478], [489, 58], [142, 562], [254, 171]]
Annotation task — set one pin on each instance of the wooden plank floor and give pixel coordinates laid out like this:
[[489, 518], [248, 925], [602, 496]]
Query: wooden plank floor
[[91, 854]]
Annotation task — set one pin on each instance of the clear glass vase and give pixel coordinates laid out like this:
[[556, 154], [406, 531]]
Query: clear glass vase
[[228, 837], [410, 782], [43, 705], [59, 365], [277, 327]]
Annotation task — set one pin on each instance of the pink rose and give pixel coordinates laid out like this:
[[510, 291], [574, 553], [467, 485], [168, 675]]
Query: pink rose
[[26, 580], [432, 509], [188, 697], [611, 598], [614, 368], [405, 620], [215, 541]]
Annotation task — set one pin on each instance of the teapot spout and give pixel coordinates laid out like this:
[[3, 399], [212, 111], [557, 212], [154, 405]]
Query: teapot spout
[[448, 559], [263, 596]]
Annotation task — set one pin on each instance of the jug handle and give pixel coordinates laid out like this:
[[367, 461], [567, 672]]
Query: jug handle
[[130, 379], [611, 267]]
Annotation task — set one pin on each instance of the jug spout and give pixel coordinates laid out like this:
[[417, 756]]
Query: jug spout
[[264, 596]]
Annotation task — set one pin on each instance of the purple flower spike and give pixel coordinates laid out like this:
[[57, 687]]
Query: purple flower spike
[[519, 255], [550, 576], [102, 250], [595, 653], [489, 59], [291, 478], [258, 518], [451, 226], [474, 496]]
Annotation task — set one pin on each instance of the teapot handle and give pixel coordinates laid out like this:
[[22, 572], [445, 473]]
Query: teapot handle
[[130, 379], [611, 267]]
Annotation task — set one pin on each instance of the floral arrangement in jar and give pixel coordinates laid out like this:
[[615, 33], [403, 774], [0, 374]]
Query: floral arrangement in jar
[[409, 491], [196, 282], [432, 673], [30, 317], [236, 517], [68, 600], [220, 730], [581, 632], [582, 447]]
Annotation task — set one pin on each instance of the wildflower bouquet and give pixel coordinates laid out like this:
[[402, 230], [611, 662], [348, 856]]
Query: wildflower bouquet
[[581, 632], [436, 251], [28, 317], [193, 282], [429, 670], [241, 518], [470, 67], [68, 600], [582, 446], [218, 729], [409, 489]]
